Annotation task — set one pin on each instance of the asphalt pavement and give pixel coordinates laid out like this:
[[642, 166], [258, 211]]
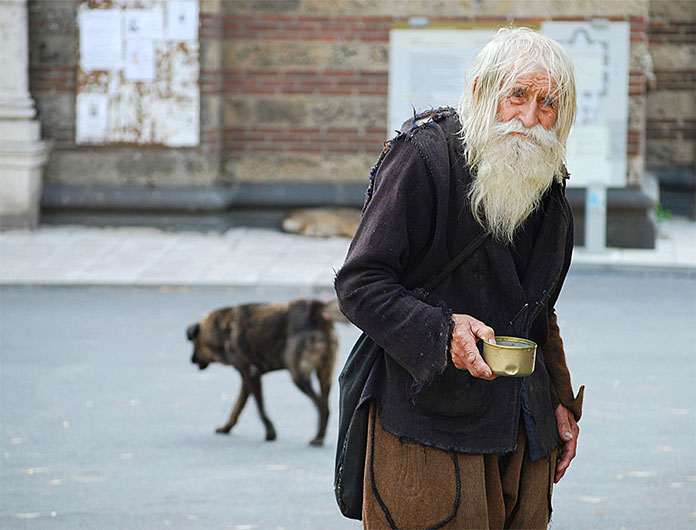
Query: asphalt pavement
[[106, 424]]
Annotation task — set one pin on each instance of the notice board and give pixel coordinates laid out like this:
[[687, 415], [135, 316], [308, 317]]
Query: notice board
[[596, 149], [137, 73], [427, 68]]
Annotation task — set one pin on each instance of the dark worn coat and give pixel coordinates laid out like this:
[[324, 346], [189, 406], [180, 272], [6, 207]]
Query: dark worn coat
[[416, 219]]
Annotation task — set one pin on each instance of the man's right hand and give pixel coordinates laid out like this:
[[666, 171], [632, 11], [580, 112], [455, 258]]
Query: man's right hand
[[465, 355]]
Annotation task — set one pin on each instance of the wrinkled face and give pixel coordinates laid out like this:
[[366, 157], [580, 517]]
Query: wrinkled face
[[531, 100], [206, 345], [518, 158]]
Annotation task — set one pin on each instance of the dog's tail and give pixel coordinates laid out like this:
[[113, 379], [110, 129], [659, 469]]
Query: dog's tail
[[332, 312]]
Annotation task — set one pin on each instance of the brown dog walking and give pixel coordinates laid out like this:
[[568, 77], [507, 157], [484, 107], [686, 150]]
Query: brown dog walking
[[258, 338]]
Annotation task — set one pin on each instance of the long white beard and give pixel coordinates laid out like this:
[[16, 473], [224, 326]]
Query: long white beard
[[513, 175]]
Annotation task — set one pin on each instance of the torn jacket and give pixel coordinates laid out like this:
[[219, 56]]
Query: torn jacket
[[416, 218]]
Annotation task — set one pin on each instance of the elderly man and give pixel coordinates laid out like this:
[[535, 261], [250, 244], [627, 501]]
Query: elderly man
[[451, 444]]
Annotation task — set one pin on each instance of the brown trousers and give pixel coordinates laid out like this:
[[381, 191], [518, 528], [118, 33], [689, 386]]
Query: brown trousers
[[418, 486]]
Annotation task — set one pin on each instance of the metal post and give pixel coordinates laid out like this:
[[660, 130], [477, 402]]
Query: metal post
[[596, 218]]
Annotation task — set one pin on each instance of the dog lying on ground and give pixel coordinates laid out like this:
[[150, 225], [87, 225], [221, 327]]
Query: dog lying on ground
[[258, 338]]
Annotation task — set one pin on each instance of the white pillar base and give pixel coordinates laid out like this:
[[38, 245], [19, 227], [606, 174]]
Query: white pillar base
[[21, 171], [22, 153]]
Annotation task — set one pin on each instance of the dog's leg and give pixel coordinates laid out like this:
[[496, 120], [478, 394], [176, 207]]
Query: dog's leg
[[254, 384], [236, 410], [304, 383], [324, 374]]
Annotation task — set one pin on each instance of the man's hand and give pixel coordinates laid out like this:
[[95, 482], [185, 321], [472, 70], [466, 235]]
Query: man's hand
[[465, 355], [568, 430]]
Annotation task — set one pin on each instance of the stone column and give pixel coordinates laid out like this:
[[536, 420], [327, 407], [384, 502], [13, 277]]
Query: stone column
[[22, 153]]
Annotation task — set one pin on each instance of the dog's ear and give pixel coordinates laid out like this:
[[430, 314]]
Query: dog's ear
[[192, 331]]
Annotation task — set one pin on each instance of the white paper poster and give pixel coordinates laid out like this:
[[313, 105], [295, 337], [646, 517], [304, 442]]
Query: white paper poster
[[182, 20], [183, 124], [587, 152], [100, 39], [427, 68], [92, 117], [144, 23], [139, 76], [140, 60]]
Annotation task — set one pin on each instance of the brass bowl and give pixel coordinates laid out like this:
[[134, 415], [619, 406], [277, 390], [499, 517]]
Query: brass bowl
[[510, 356]]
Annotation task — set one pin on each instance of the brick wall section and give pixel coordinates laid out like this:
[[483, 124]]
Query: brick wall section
[[211, 83], [672, 32], [309, 82], [283, 87], [56, 79], [52, 65], [306, 84], [671, 116], [264, 26], [637, 85], [305, 139], [335, 85], [672, 128], [682, 79]]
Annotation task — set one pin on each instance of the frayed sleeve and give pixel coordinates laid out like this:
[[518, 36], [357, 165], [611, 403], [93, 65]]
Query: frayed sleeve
[[396, 226], [555, 360], [554, 352]]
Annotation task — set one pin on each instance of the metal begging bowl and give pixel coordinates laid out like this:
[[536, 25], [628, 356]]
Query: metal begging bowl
[[511, 356]]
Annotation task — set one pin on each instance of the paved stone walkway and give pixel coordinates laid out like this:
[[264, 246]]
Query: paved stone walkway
[[72, 255]]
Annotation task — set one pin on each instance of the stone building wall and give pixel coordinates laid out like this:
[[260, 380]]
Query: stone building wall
[[296, 90], [306, 81], [671, 104], [294, 103]]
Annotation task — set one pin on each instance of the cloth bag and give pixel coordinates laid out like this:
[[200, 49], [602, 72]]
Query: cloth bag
[[353, 414]]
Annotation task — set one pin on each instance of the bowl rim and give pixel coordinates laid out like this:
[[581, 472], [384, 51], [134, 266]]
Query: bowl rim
[[529, 343]]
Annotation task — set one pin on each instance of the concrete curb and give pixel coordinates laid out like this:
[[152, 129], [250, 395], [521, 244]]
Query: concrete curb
[[676, 270], [576, 268]]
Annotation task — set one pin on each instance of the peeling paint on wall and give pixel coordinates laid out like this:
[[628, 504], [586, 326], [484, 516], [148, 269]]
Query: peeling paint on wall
[[137, 73]]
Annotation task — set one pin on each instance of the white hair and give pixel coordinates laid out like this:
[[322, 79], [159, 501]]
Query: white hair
[[514, 52]]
